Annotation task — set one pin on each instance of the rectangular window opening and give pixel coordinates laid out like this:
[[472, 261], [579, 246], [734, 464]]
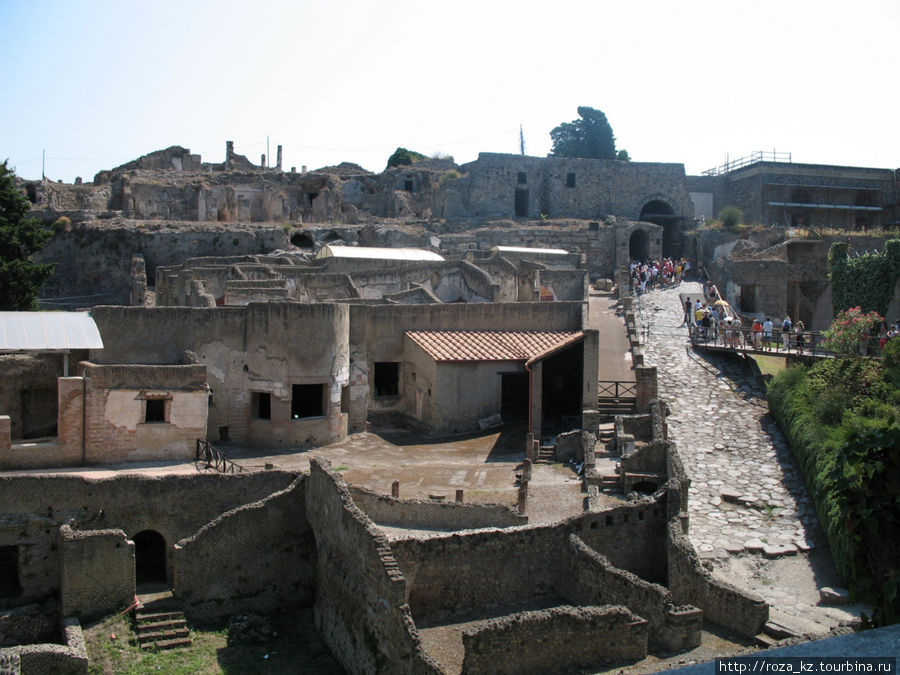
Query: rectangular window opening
[[387, 378], [155, 410], [570, 180], [748, 298], [261, 405], [307, 400], [408, 185], [9, 572], [522, 177]]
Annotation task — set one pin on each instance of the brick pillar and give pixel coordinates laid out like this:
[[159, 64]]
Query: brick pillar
[[646, 387], [70, 419]]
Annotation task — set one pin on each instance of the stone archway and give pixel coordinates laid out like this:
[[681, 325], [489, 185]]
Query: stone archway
[[149, 556], [660, 212], [639, 245]]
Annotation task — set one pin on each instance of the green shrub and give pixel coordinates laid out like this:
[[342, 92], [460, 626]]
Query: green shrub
[[731, 217], [841, 419]]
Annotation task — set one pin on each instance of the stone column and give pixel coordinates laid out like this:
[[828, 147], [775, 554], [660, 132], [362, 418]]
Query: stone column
[[395, 488], [278, 159], [5, 432], [229, 151], [523, 497], [262, 161]]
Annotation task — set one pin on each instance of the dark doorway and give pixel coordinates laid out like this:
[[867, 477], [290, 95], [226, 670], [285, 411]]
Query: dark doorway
[[521, 203], [639, 246], [39, 413], [514, 396], [149, 556], [9, 572], [387, 378], [561, 390], [660, 213]]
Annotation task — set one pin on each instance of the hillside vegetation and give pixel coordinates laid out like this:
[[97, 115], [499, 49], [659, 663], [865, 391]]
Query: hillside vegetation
[[842, 418]]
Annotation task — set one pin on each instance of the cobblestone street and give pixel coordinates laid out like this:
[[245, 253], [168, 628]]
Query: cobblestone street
[[751, 517]]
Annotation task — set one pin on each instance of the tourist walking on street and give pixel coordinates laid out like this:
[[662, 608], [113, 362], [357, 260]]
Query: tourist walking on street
[[767, 334], [786, 333]]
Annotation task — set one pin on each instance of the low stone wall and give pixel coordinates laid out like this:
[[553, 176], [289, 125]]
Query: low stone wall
[[553, 640], [259, 557], [689, 582], [592, 579], [361, 610], [741, 611], [69, 658], [433, 515]]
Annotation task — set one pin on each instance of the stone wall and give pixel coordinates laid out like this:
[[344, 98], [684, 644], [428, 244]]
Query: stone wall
[[433, 515], [35, 506], [361, 609], [591, 579], [554, 640], [69, 658], [259, 557], [96, 571], [266, 348]]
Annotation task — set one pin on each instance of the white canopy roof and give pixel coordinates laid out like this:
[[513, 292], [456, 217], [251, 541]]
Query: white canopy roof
[[48, 331], [374, 253], [525, 249]]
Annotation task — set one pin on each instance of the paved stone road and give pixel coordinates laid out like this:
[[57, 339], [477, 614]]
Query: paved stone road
[[751, 517]]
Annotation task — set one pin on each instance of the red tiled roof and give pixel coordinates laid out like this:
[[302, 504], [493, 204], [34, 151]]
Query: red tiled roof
[[493, 345]]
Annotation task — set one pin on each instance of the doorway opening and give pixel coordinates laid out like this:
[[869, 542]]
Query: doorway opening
[[660, 213], [149, 556], [514, 397], [639, 246]]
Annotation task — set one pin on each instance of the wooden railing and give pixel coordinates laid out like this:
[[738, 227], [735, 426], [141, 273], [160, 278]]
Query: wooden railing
[[215, 459], [616, 389]]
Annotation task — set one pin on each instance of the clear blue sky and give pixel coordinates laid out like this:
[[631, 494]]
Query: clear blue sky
[[97, 83]]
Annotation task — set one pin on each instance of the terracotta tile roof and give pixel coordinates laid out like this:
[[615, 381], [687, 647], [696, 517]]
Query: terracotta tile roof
[[495, 345]]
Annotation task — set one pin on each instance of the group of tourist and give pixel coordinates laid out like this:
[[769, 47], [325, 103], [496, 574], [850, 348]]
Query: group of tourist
[[656, 274]]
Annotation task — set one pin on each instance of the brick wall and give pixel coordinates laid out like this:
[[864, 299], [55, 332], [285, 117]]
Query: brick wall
[[259, 557], [361, 611], [69, 658], [96, 571]]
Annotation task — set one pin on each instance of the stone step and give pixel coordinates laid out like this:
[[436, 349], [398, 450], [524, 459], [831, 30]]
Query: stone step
[[160, 635], [174, 643], [144, 616], [780, 631], [764, 641], [153, 626]]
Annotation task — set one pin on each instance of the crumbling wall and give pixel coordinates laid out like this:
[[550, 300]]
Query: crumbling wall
[[259, 557], [564, 284], [96, 571], [361, 610], [593, 580], [433, 515], [69, 658], [532, 642], [35, 506]]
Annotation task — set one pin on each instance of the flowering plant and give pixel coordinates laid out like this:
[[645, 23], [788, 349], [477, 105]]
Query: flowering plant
[[849, 328]]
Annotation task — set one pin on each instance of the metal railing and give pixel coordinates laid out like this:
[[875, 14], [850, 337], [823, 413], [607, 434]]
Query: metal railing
[[215, 459], [807, 343], [747, 160]]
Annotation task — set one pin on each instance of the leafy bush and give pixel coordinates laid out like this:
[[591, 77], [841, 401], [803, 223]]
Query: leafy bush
[[866, 281], [849, 328], [404, 157], [731, 217]]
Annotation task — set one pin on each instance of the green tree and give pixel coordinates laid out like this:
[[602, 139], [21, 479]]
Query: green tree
[[590, 137], [404, 157], [21, 279]]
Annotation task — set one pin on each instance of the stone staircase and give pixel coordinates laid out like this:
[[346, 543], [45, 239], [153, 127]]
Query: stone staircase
[[546, 454], [159, 622]]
